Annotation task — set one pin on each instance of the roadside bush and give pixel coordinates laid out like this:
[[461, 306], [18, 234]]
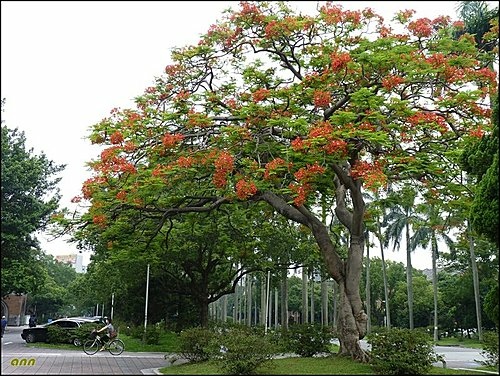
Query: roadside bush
[[56, 334], [401, 352], [83, 332], [307, 340], [194, 343], [152, 336], [490, 348], [239, 351]]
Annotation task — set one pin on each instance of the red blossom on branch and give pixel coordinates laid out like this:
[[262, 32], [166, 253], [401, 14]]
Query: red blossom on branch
[[371, 173], [421, 28], [170, 140], [224, 164], [339, 61], [272, 166], [321, 99], [391, 81], [245, 189], [116, 138], [260, 95]]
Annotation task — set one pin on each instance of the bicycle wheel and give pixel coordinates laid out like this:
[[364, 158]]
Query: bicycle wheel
[[116, 347], [91, 346]]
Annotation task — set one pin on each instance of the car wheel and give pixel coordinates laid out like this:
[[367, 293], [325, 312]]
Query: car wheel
[[77, 342], [30, 338]]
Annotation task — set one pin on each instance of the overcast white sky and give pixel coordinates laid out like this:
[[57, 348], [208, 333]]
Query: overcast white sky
[[66, 64]]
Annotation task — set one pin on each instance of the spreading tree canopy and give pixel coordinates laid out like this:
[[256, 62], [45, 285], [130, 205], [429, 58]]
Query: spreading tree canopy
[[296, 110], [29, 197]]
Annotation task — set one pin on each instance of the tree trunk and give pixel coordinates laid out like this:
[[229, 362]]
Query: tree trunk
[[305, 302], [284, 300], [475, 280], [384, 275], [203, 307], [347, 273], [324, 301], [409, 277], [368, 289], [435, 287], [248, 286]]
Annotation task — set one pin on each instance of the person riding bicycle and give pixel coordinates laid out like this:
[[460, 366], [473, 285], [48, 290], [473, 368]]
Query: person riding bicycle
[[110, 331]]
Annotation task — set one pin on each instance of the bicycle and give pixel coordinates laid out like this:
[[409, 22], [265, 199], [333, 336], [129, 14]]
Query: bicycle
[[115, 346]]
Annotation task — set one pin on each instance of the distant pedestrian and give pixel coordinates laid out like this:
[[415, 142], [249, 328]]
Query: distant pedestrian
[[32, 321], [4, 324]]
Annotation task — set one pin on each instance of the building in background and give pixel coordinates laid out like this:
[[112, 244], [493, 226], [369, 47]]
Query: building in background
[[75, 260], [14, 308]]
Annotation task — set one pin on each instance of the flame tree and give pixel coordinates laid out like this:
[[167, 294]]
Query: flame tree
[[297, 110]]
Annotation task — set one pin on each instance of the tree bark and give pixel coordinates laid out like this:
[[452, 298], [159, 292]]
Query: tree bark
[[352, 318]]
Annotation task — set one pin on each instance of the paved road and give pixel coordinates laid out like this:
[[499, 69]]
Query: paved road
[[56, 362], [76, 362]]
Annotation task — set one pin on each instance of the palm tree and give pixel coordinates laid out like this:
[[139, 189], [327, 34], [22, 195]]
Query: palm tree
[[477, 16], [399, 220], [430, 230]]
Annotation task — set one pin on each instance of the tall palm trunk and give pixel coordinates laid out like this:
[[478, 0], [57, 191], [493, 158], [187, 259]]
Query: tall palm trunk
[[368, 289], [409, 277], [435, 286], [475, 280], [305, 302], [284, 299], [384, 276]]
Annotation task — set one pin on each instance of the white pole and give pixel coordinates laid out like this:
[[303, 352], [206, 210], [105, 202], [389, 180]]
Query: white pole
[[112, 304], [267, 299], [146, 308]]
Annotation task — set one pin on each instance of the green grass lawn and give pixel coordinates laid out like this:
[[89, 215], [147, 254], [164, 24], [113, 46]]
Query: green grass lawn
[[331, 365]]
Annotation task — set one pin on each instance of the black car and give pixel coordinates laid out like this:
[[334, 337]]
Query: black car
[[40, 333]]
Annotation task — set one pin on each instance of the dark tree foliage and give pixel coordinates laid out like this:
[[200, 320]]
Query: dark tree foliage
[[29, 197], [480, 160]]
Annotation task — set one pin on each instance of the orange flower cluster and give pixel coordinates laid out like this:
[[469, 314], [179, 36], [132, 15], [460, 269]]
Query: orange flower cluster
[[339, 61], [99, 220], [391, 81], [224, 164], [332, 14], [336, 146], [428, 118], [421, 28], [371, 174], [121, 195], [116, 138], [197, 119], [305, 174], [300, 191], [90, 186], [272, 166], [260, 94], [321, 99], [170, 140], [478, 132], [245, 189], [330, 144], [185, 162], [116, 164]]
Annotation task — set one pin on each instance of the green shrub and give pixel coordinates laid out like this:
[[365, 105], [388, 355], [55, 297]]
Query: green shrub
[[194, 343], [490, 348], [239, 351], [152, 335], [55, 334], [401, 352], [307, 340], [83, 332]]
